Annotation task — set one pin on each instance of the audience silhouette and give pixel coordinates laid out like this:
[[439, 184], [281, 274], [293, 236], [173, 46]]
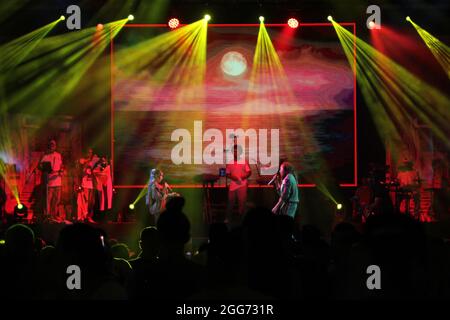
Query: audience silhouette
[[266, 257]]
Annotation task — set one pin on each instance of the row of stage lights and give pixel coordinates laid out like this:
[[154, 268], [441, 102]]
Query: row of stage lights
[[174, 23], [339, 206], [293, 23], [21, 211]]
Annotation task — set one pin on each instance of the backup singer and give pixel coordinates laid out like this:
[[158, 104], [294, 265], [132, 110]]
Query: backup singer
[[287, 191], [86, 196], [103, 182]]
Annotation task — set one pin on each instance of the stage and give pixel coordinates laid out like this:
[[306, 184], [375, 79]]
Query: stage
[[309, 133]]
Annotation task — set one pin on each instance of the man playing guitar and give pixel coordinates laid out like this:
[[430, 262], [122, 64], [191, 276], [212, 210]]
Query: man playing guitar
[[52, 167]]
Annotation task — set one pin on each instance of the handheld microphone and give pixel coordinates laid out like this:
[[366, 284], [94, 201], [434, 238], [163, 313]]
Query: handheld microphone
[[166, 185], [275, 176]]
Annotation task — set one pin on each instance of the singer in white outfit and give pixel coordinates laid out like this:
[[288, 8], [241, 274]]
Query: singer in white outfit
[[54, 179]]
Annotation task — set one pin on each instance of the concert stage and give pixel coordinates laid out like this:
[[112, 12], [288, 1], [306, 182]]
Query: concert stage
[[315, 209], [323, 124]]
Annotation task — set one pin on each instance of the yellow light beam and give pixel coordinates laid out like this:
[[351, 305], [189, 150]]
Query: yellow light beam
[[14, 52], [175, 58], [57, 65], [395, 97], [268, 71], [439, 50]]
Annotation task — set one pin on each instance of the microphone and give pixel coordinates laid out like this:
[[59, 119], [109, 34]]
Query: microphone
[[275, 176], [166, 185]]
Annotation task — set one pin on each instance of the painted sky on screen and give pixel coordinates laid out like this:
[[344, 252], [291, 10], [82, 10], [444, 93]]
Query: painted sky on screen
[[318, 74]]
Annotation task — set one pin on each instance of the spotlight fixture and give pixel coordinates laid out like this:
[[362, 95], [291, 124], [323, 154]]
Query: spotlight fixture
[[371, 24], [261, 18], [131, 17], [339, 206], [99, 27], [207, 17], [62, 18], [20, 211], [330, 18], [293, 23], [408, 18], [173, 23], [131, 206]]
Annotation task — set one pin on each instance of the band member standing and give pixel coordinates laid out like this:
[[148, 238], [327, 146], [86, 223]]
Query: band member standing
[[51, 165], [157, 194], [409, 181], [287, 190], [439, 186], [238, 171], [86, 197], [102, 173]]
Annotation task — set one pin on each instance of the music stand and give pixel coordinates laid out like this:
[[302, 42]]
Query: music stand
[[46, 168], [208, 181]]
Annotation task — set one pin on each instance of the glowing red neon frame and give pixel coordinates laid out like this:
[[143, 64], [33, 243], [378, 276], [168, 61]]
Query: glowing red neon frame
[[160, 25]]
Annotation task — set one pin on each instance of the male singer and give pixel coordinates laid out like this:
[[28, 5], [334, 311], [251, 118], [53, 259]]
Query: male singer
[[287, 191]]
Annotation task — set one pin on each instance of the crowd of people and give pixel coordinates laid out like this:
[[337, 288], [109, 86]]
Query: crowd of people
[[266, 257]]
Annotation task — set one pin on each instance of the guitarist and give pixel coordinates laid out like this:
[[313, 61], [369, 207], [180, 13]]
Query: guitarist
[[51, 165]]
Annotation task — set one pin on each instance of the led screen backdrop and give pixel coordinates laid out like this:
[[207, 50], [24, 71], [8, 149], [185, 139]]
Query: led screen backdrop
[[308, 96]]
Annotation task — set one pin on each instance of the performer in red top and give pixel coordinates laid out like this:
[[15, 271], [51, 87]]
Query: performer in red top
[[86, 195], [238, 171]]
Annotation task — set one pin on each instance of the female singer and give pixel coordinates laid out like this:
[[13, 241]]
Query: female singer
[[157, 194], [287, 190]]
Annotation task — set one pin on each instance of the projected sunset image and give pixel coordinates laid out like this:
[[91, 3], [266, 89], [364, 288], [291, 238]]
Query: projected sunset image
[[303, 88]]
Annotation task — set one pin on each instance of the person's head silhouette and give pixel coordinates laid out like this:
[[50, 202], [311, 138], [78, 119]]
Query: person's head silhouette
[[19, 241], [149, 242]]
